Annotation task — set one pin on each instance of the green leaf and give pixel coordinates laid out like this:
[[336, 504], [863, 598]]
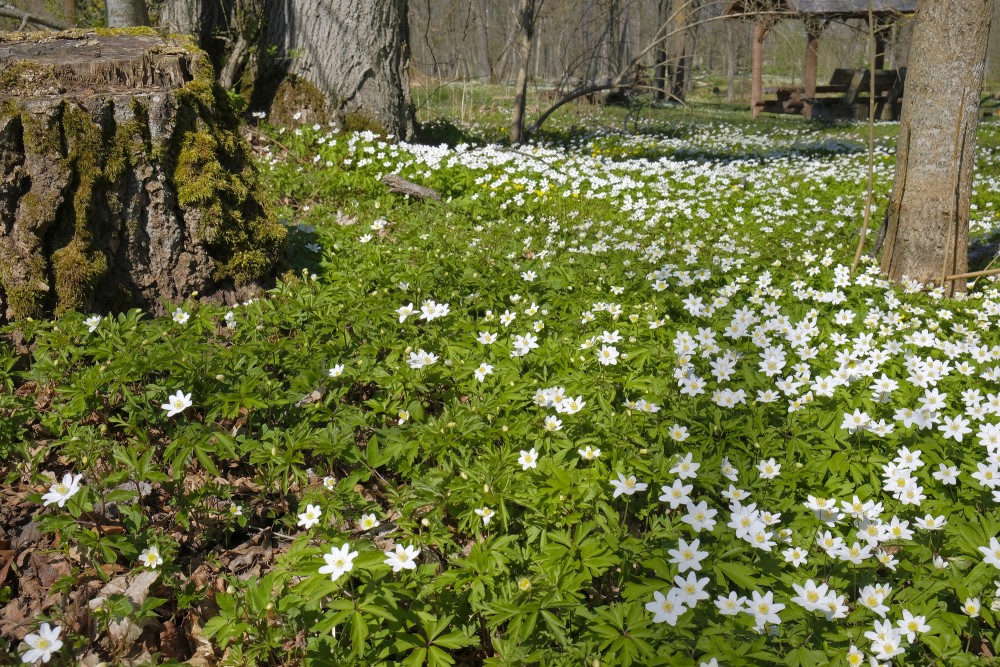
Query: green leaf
[[455, 640], [742, 575]]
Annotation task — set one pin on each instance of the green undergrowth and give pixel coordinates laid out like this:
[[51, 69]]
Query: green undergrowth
[[496, 429]]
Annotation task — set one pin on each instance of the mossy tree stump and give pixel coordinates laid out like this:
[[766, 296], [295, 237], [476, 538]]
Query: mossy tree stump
[[123, 178]]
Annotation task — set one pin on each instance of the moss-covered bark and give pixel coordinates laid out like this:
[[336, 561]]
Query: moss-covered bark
[[129, 188]]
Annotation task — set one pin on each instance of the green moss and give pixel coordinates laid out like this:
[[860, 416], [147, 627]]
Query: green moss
[[44, 135], [201, 178], [247, 266], [358, 122], [135, 31], [213, 173], [294, 95], [131, 140], [9, 108], [25, 302], [26, 78], [76, 274], [85, 153]]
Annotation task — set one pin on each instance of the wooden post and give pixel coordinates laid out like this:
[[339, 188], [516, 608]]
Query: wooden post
[[759, 30], [812, 51]]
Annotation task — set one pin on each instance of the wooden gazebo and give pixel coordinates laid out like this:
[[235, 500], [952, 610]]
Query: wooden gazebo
[[816, 15]]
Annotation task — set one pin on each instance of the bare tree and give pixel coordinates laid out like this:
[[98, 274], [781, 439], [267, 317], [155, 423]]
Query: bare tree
[[927, 222]]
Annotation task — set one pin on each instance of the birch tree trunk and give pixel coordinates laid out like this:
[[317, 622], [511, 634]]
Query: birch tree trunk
[[927, 222]]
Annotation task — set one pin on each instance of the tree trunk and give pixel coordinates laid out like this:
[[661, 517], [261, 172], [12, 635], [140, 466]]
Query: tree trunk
[[126, 13], [612, 41], [125, 179], [484, 62], [660, 67], [760, 28], [69, 12], [680, 53], [525, 37], [902, 35], [731, 52], [927, 222], [354, 52]]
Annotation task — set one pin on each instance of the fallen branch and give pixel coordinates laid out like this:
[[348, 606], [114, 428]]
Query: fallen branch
[[400, 186], [12, 12], [574, 94], [972, 274]]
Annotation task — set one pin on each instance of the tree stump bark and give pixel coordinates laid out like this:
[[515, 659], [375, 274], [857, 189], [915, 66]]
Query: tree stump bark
[[123, 178]]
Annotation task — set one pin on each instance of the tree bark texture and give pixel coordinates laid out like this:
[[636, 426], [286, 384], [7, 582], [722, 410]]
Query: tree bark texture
[[680, 49], [356, 52], [525, 38], [123, 178], [484, 60], [126, 13], [69, 12], [229, 32], [927, 222], [731, 54]]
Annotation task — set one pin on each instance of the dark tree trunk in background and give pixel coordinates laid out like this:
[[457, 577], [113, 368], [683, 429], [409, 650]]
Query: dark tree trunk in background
[[660, 68], [484, 62], [69, 12], [525, 38], [613, 50], [902, 35], [227, 31], [731, 55], [680, 51], [927, 223], [126, 13]]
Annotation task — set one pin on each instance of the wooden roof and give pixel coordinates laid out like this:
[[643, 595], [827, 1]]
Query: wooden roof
[[827, 8]]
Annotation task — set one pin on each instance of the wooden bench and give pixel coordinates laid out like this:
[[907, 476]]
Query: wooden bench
[[845, 95], [888, 94]]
